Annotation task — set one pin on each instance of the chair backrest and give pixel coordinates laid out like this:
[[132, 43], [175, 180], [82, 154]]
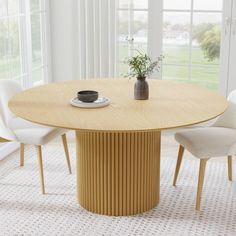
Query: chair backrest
[[8, 88], [228, 119]]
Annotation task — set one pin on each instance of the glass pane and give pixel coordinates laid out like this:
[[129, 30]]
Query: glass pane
[[140, 27], [37, 76], [19, 79], [123, 35], [36, 40], [34, 5], [139, 48], [3, 49], [206, 76], [13, 7], [124, 3], [176, 54], [176, 37], [206, 38], [177, 5], [3, 8], [123, 69], [14, 49], [201, 18], [123, 51], [123, 19], [140, 4], [180, 73], [208, 5]]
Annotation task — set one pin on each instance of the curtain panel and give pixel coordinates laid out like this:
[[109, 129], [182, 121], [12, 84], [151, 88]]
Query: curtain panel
[[96, 38]]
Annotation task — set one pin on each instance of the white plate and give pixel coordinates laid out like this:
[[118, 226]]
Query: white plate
[[100, 102]]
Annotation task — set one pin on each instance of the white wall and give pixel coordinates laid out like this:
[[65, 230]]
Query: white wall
[[63, 39]]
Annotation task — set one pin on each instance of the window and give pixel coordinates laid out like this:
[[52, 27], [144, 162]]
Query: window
[[132, 30], [23, 41], [191, 41]]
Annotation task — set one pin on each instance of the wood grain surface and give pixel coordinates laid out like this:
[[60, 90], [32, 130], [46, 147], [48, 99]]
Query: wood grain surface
[[171, 105]]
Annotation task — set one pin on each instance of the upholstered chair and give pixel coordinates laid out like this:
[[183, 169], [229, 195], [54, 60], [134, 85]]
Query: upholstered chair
[[13, 128], [204, 143]]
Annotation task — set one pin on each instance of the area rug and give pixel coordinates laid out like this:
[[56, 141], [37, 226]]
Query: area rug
[[24, 211]]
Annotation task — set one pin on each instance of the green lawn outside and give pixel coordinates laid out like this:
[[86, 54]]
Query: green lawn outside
[[205, 76], [201, 75], [180, 55]]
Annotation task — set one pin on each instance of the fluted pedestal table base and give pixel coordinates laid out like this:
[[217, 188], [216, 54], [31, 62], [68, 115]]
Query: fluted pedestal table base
[[118, 173]]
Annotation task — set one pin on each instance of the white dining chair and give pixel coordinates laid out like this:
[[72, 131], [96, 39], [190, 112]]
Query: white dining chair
[[13, 128], [204, 143]]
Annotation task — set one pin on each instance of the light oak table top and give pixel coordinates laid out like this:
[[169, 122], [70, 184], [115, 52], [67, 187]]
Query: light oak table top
[[170, 105], [118, 146]]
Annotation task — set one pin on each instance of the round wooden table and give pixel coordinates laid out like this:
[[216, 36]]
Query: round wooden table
[[118, 146]]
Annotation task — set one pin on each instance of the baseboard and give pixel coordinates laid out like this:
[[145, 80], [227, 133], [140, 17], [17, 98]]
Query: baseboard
[[8, 148]]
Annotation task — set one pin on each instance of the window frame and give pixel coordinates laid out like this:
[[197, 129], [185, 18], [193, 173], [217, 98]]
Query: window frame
[[130, 37], [190, 65], [25, 42], [155, 44]]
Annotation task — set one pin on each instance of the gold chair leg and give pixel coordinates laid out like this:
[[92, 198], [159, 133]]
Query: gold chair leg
[[178, 164], [40, 161], [230, 168], [22, 150], [66, 151], [200, 182]]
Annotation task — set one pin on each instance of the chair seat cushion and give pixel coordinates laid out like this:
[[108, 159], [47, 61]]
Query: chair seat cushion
[[30, 133], [208, 141]]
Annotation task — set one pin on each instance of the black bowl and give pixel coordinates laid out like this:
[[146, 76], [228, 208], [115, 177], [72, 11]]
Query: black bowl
[[87, 95]]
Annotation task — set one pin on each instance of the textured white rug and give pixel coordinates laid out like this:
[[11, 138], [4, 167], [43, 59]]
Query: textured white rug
[[24, 211]]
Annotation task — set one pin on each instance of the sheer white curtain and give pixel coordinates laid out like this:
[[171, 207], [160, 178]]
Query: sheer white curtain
[[96, 38]]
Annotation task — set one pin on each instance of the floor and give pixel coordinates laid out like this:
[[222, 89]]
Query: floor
[[24, 211]]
